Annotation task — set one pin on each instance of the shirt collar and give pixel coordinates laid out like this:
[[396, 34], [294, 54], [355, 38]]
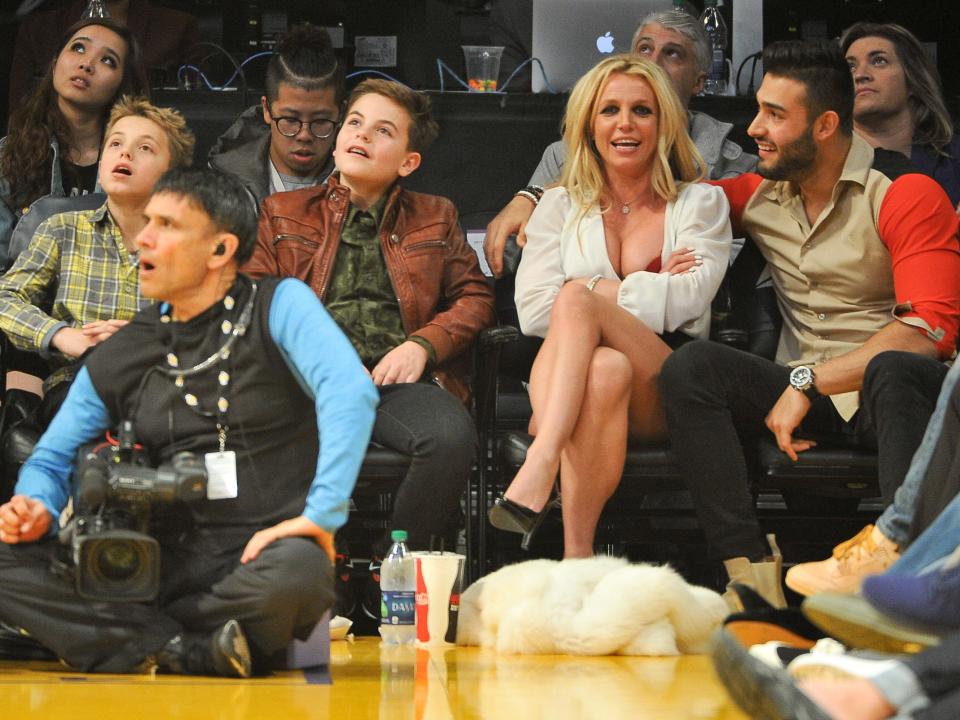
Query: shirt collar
[[375, 210], [856, 169], [101, 213]]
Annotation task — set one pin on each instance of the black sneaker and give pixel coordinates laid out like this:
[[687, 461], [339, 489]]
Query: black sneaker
[[346, 597], [224, 653], [17, 644], [370, 600]]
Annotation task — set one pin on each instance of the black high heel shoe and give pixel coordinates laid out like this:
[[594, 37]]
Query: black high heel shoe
[[514, 517]]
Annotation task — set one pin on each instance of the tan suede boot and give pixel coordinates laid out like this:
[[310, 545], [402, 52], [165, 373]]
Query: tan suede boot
[[869, 552], [764, 577]]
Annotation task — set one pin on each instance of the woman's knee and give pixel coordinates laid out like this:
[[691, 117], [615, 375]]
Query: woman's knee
[[610, 375], [573, 299]]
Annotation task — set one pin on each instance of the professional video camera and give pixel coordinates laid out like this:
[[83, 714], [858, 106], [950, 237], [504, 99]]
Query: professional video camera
[[112, 555]]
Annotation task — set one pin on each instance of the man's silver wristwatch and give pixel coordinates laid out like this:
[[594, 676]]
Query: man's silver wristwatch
[[803, 379]]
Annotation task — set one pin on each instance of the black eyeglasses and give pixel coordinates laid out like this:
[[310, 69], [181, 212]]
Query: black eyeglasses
[[291, 126]]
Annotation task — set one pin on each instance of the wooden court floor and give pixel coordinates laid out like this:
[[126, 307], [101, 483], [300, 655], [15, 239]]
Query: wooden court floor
[[386, 684]]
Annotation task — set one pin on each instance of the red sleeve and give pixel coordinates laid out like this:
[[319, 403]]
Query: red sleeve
[[919, 227], [739, 190]]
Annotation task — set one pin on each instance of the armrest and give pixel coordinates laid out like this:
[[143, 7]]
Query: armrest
[[486, 375], [497, 336]]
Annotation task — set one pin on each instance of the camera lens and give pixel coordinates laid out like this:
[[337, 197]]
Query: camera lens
[[118, 560]]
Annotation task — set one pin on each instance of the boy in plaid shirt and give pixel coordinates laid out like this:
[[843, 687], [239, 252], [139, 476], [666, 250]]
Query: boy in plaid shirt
[[76, 283]]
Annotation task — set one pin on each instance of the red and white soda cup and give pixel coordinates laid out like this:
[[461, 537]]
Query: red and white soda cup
[[439, 582]]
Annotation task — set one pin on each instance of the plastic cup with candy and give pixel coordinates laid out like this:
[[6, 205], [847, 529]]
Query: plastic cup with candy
[[483, 66]]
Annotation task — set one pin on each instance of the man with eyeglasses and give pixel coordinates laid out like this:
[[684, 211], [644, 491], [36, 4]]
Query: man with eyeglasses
[[301, 109]]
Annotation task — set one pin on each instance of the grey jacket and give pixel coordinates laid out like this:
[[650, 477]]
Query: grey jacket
[[724, 157], [10, 216], [244, 151]]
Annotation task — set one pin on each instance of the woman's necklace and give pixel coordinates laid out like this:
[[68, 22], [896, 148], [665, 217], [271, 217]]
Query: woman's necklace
[[625, 206]]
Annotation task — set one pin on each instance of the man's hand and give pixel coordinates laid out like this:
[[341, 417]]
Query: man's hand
[[295, 527], [72, 342], [23, 519], [403, 364], [785, 417], [512, 219], [100, 330]]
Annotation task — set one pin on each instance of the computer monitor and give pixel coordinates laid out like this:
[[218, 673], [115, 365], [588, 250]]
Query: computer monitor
[[571, 36]]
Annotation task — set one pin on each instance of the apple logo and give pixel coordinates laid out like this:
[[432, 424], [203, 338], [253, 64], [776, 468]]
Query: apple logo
[[605, 43]]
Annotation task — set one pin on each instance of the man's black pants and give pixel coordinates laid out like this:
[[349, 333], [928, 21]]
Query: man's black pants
[[716, 397], [278, 596]]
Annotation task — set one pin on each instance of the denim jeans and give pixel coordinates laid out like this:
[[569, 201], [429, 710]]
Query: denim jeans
[[897, 518], [935, 462], [715, 397], [434, 428]]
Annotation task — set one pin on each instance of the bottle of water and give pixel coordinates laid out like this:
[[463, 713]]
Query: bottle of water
[[716, 27], [398, 585]]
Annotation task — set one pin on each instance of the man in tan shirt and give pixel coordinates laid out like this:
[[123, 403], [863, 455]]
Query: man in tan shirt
[[866, 267]]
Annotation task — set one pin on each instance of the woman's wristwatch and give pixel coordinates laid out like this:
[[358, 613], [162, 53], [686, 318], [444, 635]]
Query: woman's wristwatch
[[803, 379]]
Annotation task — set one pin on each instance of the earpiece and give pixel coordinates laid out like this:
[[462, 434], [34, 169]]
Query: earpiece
[[220, 249]]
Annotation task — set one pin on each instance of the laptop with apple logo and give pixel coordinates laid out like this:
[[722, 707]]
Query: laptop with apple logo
[[571, 36]]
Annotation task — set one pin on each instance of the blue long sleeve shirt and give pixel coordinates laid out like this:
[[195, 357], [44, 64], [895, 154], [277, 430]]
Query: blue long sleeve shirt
[[316, 353]]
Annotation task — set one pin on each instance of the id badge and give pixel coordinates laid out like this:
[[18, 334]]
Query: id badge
[[221, 475]]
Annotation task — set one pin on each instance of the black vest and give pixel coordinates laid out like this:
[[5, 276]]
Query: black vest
[[272, 421]]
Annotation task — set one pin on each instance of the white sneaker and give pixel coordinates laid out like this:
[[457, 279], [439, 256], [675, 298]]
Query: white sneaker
[[838, 667]]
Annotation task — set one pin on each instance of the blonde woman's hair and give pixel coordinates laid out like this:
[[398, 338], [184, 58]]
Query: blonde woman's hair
[[677, 159], [180, 139]]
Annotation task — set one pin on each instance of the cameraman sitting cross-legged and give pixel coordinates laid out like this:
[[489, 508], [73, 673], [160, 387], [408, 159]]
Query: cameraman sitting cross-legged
[[256, 380]]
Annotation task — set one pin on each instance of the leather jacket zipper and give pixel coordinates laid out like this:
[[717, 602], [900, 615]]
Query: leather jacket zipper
[[296, 238], [426, 244]]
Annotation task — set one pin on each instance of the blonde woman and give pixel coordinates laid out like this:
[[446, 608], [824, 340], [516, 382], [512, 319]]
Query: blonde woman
[[621, 263]]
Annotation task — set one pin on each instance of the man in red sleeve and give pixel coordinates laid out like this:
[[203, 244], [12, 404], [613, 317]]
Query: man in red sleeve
[[865, 263]]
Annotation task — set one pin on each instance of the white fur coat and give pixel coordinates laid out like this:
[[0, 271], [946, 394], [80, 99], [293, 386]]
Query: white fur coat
[[594, 606]]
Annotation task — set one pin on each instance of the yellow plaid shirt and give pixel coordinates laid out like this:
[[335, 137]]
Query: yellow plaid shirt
[[76, 270]]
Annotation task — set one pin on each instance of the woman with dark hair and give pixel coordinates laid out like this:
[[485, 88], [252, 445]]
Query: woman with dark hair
[[899, 102], [55, 137]]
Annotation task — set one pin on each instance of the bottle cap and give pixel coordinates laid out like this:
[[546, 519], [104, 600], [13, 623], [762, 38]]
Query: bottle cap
[[399, 535]]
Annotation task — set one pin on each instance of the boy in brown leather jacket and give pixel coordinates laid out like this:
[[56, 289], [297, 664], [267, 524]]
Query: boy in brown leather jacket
[[393, 269]]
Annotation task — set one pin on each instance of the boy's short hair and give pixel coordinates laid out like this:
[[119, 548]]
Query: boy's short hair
[[423, 128], [180, 139], [222, 197]]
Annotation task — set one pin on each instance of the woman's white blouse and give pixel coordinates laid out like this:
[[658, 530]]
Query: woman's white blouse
[[699, 218]]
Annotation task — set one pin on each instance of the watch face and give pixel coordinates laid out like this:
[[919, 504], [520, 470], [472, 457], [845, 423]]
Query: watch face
[[801, 377]]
